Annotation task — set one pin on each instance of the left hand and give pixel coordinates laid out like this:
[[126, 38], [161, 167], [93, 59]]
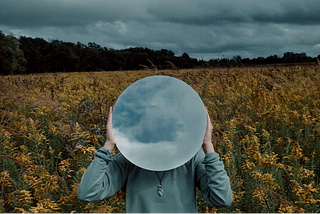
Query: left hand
[[207, 140]]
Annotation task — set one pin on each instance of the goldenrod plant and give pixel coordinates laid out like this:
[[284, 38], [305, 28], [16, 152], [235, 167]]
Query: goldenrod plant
[[266, 129]]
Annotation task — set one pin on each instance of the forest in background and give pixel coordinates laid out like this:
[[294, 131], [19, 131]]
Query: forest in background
[[25, 55]]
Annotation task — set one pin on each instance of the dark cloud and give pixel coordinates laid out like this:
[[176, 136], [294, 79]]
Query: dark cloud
[[207, 12], [35, 13], [204, 29]]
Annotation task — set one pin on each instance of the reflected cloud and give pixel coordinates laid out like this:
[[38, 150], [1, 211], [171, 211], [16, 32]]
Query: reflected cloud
[[159, 123]]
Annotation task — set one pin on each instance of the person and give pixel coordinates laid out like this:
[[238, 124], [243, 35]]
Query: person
[[205, 171]]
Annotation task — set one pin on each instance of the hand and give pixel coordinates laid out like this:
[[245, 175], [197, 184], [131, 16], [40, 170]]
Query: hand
[[207, 140], [110, 142]]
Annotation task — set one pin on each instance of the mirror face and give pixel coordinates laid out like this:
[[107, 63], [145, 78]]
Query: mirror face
[[159, 123]]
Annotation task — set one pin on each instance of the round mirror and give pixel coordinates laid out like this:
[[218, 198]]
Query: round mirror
[[159, 123]]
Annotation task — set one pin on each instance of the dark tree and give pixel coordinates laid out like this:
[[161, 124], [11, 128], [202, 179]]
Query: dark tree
[[12, 59]]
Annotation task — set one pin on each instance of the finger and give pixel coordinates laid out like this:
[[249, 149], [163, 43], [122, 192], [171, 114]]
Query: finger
[[208, 117], [111, 110], [209, 123], [109, 122]]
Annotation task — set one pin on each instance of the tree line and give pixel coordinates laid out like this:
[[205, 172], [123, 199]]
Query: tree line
[[36, 55]]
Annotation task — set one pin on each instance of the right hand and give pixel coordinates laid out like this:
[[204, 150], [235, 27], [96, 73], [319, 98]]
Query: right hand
[[110, 142], [207, 140]]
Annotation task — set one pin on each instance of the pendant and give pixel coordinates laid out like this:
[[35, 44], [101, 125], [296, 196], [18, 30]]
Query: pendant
[[160, 190]]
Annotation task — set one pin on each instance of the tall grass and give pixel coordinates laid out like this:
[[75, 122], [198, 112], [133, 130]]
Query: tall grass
[[267, 127]]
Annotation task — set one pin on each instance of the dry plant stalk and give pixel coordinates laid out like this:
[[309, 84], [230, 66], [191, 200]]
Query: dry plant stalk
[[259, 130]]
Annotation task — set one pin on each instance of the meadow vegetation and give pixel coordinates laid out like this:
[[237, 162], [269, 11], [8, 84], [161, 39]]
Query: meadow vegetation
[[266, 130]]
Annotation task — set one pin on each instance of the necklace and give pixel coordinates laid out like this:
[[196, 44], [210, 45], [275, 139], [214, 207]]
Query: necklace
[[160, 190]]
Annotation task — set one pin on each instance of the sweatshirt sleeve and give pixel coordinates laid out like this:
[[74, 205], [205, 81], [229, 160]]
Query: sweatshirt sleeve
[[104, 177], [212, 180]]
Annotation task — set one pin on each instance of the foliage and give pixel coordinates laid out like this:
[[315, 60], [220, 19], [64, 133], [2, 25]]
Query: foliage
[[36, 55], [11, 56], [267, 127], [59, 56]]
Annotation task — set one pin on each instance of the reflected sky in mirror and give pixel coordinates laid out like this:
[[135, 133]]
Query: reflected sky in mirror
[[159, 123]]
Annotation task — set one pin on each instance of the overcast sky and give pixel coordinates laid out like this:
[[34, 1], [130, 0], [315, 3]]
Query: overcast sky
[[204, 29]]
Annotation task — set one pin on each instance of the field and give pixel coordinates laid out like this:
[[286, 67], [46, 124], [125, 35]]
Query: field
[[266, 130]]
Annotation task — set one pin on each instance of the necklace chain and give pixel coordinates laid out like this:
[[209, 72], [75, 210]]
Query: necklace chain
[[160, 179]]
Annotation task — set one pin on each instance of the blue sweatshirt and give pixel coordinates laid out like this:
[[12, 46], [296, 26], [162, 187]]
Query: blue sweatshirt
[[107, 174]]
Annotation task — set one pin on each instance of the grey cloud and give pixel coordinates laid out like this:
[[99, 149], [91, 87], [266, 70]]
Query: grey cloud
[[31, 13], [207, 12], [204, 29]]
